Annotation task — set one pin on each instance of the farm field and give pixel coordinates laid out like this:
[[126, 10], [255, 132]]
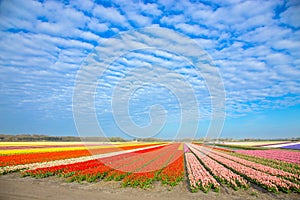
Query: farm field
[[255, 143], [293, 145], [193, 170]]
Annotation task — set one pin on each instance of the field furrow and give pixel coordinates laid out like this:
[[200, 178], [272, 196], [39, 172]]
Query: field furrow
[[198, 176], [267, 181], [221, 173]]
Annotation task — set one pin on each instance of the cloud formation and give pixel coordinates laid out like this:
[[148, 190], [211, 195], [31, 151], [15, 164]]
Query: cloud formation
[[254, 45]]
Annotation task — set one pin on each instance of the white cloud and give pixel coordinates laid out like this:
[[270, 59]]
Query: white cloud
[[192, 29], [289, 44], [85, 5], [88, 36], [172, 20], [232, 14], [255, 48], [96, 26], [278, 59], [291, 16], [138, 19], [265, 19], [150, 9], [265, 34], [110, 14]]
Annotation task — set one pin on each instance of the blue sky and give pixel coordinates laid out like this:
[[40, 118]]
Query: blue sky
[[254, 45]]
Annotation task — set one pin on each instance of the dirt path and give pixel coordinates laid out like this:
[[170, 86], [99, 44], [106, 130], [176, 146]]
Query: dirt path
[[12, 187]]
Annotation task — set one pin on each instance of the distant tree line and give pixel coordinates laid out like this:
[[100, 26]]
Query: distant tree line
[[36, 137], [255, 139]]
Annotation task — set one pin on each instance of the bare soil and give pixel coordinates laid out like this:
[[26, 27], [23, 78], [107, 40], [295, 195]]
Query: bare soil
[[13, 187]]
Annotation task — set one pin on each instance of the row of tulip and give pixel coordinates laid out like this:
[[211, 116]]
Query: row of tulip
[[13, 168], [27, 158], [173, 173], [31, 150], [270, 182], [138, 169], [106, 167], [198, 176], [276, 154], [143, 172], [267, 169], [10, 147], [136, 164], [122, 167], [285, 166], [8, 169], [21, 159], [221, 173], [69, 169], [38, 146], [214, 147], [144, 176]]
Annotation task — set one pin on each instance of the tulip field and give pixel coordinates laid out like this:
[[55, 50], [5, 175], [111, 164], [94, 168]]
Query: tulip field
[[136, 164]]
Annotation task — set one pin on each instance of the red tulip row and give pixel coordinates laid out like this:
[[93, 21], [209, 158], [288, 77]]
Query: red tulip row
[[136, 169], [270, 170], [221, 173], [126, 166], [173, 173], [198, 176], [133, 164], [21, 159], [108, 166], [270, 182], [144, 176], [70, 169], [119, 168]]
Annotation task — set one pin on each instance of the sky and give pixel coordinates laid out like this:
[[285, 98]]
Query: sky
[[166, 69]]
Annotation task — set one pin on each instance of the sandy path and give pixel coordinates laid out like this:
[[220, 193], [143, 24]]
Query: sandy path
[[12, 187]]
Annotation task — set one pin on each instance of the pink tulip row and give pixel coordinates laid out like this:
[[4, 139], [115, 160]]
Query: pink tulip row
[[270, 170], [277, 164], [199, 177], [270, 182], [186, 149], [284, 155], [221, 173]]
